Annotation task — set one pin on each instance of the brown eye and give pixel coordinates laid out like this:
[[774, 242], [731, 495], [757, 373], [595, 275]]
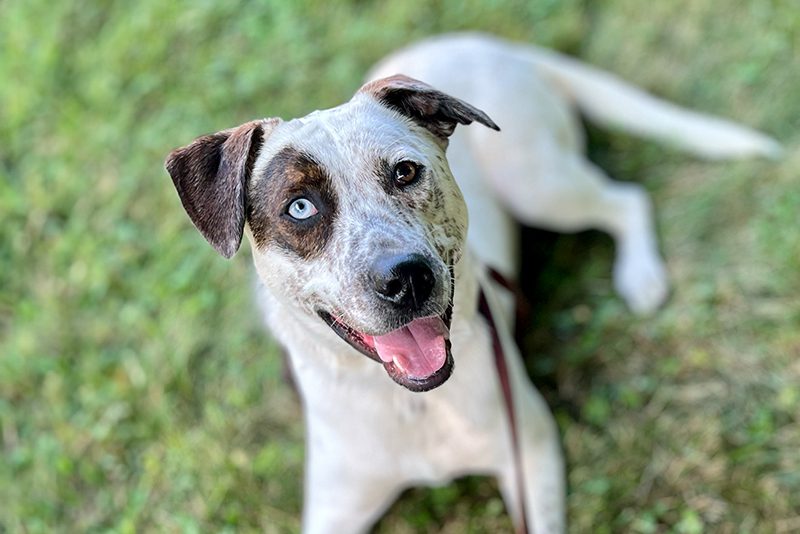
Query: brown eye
[[405, 173]]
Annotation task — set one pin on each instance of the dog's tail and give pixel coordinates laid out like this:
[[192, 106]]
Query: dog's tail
[[609, 101]]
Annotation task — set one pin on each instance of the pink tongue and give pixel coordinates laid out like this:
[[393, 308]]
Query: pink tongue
[[417, 349]]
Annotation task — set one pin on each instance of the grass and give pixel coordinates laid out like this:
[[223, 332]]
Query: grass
[[138, 391]]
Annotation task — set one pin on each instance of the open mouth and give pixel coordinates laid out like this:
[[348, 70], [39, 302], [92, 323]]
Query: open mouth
[[417, 356]]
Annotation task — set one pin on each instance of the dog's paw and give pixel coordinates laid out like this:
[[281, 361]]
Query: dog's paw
[[641, 279]]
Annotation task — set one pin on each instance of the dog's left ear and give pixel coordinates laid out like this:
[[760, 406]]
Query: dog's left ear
[[428, 107], [211, 176]]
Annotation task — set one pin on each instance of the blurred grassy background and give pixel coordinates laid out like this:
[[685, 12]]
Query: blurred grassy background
[[138, 391]]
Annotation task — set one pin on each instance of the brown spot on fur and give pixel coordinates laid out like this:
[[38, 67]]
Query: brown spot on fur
[[431, 109], [290, 175]]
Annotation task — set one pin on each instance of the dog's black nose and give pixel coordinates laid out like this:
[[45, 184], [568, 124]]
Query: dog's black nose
[[405, 280]]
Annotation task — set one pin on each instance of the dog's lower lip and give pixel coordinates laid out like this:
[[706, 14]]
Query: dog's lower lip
[[349, 334], [432, 381]]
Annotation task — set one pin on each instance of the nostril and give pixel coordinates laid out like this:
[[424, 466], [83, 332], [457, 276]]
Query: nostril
[[422, 281], [426, 277], [392, 288]]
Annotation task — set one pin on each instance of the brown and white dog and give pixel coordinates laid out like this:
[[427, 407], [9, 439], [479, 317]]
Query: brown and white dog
[[358, 232]]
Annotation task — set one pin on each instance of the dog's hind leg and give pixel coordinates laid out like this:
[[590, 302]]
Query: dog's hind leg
[[558, 189]]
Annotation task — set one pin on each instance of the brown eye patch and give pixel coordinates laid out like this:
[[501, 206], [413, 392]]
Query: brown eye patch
[[292, 174]]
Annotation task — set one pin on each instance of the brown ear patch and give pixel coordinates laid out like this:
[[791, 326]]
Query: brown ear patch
[[290, 175], [428, 107], [211, 175]]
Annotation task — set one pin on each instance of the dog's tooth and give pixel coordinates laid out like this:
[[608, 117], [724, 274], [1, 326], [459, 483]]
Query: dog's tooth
[[397, 364]]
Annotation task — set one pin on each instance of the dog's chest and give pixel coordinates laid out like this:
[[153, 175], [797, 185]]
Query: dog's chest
[[433, 434]]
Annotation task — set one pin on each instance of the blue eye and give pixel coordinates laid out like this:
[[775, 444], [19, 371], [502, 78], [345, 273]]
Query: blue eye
[[302, 209]]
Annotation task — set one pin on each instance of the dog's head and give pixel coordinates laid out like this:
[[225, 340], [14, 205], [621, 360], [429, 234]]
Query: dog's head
[[353, 216]]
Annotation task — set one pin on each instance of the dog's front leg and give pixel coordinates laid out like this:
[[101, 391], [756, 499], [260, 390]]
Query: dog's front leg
[[342, 493]]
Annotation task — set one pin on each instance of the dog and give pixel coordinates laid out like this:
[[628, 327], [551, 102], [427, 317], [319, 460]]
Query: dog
[[359, 235], [536, 171], [358, 232]]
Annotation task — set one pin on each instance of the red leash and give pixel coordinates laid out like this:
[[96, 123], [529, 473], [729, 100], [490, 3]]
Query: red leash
[[505, 382]]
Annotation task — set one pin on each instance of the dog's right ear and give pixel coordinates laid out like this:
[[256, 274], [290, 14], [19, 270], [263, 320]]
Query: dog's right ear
[[211, 176]]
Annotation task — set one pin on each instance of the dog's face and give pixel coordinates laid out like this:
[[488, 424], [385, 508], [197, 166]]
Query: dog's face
[[353, 216]]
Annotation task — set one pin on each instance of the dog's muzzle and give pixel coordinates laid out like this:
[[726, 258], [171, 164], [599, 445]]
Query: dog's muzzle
[[417, 355]]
